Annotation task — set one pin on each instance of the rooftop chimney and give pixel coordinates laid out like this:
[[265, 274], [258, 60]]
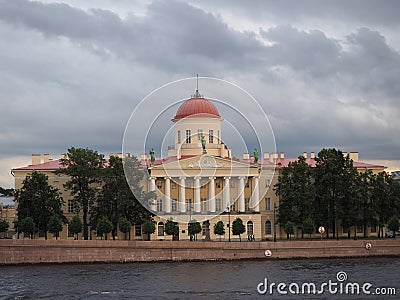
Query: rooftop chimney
[[354, 156], [266, 155], [63, 156], [35, 159], [312, 155], [143, 156], [305, 154], [282, 155], [246, 156], [344, 154], [119, 155], [46, 158]]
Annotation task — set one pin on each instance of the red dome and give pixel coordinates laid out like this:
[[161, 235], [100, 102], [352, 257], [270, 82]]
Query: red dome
[[197, 107]]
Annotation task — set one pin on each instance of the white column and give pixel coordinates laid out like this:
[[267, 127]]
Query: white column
[[226, 194], [212, 194], [197, 194], [255, 195], [153, 204], [182, 196], [167, 195], [241, 194]]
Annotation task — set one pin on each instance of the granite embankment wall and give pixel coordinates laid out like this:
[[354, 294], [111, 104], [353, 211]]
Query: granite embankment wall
[[67, 251]]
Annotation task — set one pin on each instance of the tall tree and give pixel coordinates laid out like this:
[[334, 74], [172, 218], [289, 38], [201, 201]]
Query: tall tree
[[82, 166], [295, 189], [39, 200], [116, 200], [332, 187]]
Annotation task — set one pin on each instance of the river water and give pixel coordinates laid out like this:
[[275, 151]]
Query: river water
[[202, 280]]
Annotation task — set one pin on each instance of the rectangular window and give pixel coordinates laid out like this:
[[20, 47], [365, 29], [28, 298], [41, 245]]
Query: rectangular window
[[267, 183], [203, 204], [179, 137], [173, 184], [174, 206], [138, 230], [247, 204], [189, 206], [159, 184], [199, 133], [373, 228], [217, 204], [70, 206], [188, 137], [203, 183], [218, 184], [232, 183], [160, 229], [359, 228], [211, 136], [267, 203], [159, 205]]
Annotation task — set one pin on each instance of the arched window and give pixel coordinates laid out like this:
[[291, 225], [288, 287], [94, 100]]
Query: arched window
[[268, 227], [250, 228], [160, 229]]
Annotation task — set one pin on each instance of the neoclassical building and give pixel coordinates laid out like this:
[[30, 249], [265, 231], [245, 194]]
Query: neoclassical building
[[201, 180]]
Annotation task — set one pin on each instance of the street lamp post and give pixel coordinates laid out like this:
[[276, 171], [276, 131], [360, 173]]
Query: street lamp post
[[229, 223], [274, 222]]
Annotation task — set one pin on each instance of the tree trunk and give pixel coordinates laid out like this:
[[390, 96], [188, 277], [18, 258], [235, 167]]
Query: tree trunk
[[85, 225]]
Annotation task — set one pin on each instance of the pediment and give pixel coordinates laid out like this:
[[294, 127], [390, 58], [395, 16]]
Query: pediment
[[203, 162]]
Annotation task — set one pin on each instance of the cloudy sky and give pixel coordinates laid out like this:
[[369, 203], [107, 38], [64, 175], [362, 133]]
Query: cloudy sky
[[327, 73]]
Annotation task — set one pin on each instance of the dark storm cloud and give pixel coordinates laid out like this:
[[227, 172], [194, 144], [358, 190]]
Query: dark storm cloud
[[173, 35], [71, 76], [374, 12]]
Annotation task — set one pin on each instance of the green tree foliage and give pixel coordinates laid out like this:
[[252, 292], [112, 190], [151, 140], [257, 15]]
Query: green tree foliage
[[55, 225], [104, 226], [4, 226], [171, 228], [219, 229], [39, 200], [116, 199], [149, 227], [125, 227], [394, 225], [309, 226], [83, 166], [333, 186], [194, 228], [296, 190], [135, 174], [75, 225], [335, 193], [289, 228], [27, 226], [7, 192], [238, 227]]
